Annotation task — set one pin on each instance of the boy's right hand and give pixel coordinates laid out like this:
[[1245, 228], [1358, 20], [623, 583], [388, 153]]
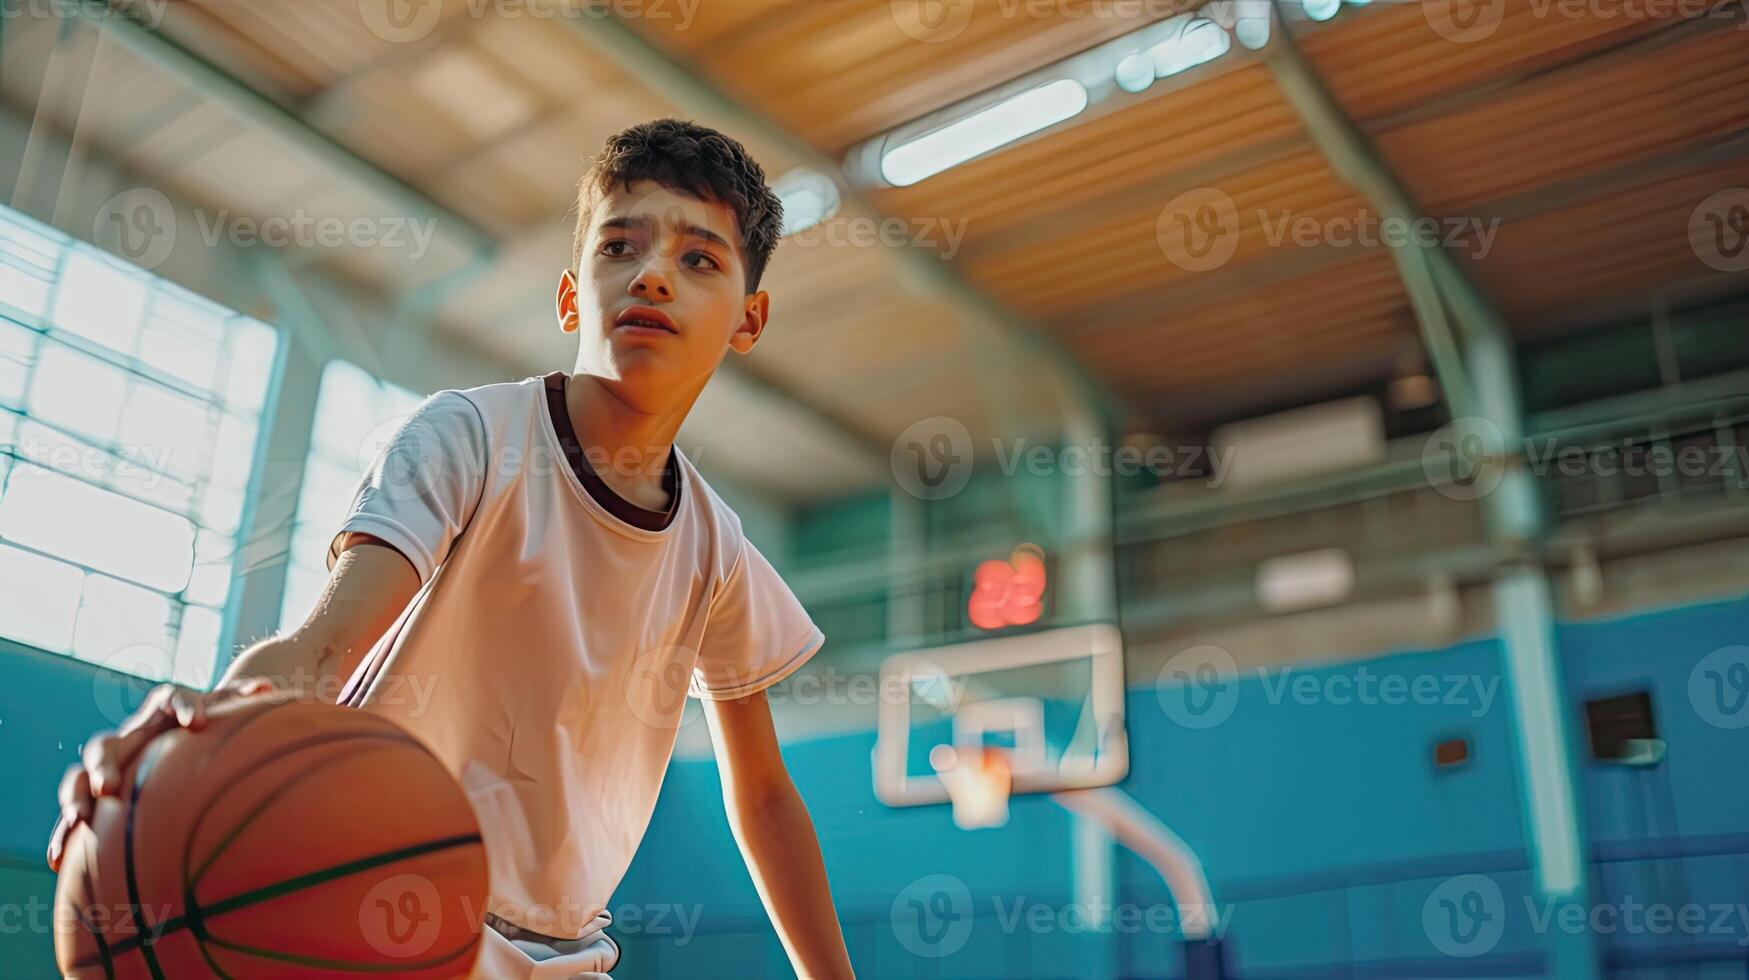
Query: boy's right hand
[[108, 754]]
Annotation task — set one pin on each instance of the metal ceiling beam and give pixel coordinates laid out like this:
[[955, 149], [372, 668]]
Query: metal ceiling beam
[[680, 86], [1517, 520], [122, 25], [1425, 270]]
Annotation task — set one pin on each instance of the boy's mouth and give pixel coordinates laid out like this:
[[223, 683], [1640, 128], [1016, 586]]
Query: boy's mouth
[[645, 319]]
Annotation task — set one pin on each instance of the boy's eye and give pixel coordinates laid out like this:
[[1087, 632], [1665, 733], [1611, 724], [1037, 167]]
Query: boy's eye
[[617, 247], [706, 258]]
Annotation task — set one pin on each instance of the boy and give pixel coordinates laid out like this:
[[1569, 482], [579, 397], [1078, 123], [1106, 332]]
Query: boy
[[546, 559]]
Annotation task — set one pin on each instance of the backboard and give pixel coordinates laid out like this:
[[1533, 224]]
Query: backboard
[[1051, 701]]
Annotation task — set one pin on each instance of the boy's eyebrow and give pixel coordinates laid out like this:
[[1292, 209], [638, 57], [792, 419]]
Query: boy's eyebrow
[[643, 223]]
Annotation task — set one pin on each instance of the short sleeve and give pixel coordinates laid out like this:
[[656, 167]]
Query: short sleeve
[[756, 633], [421, 491]]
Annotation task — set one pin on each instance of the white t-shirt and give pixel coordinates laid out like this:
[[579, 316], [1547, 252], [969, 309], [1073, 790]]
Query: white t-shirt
[[547, 656]]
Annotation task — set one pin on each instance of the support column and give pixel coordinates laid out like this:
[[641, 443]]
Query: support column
[[1525, 610], [258, 569]]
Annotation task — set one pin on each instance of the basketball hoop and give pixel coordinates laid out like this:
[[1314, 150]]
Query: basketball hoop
[[979, 780]]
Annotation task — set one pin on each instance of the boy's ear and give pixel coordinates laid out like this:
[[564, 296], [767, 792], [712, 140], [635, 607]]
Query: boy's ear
[[756, 315], [565, 304]]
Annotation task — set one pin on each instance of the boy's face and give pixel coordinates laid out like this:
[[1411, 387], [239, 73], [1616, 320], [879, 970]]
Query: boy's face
[[660, 295]]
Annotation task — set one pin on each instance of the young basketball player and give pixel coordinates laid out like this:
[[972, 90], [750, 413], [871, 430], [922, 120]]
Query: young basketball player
[[556, 574]]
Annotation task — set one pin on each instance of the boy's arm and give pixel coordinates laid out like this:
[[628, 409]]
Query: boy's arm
[[777, 838], [369, 587]]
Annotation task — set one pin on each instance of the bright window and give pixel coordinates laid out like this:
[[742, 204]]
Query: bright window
[[355, 415], [129, 412]]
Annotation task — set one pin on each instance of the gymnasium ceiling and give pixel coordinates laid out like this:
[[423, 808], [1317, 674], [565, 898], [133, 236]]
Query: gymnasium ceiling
[[1590, 141]]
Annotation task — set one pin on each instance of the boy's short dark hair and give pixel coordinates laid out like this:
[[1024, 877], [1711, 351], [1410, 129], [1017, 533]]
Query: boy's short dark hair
[[692, 158]]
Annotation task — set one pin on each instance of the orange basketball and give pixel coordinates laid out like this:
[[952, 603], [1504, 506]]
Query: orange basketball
[[285, 839]]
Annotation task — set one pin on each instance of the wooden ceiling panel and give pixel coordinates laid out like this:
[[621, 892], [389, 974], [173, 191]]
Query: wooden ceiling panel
[[842, 71], [1612, 256], [1575, 122]]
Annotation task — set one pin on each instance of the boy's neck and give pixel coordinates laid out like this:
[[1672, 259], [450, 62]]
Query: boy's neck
[[628, 448]]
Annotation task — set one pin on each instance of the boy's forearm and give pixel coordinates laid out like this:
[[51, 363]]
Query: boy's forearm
[[777, 839], [294, 663]]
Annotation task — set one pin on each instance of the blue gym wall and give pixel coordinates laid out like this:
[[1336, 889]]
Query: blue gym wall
[[1325, 828]]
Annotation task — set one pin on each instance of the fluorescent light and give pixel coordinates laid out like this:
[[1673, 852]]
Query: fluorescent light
[[977, 134], [809, 198], [1305, 581], [1200, 42], [1135, 73]]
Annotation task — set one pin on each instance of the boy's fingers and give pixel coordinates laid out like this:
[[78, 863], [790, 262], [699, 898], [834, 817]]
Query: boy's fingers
[[156, 712], [58, 843], [74, 785], [190, 709], [101, 767]]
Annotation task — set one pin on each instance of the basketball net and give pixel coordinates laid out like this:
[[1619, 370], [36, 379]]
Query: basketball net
[[979, 780]]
